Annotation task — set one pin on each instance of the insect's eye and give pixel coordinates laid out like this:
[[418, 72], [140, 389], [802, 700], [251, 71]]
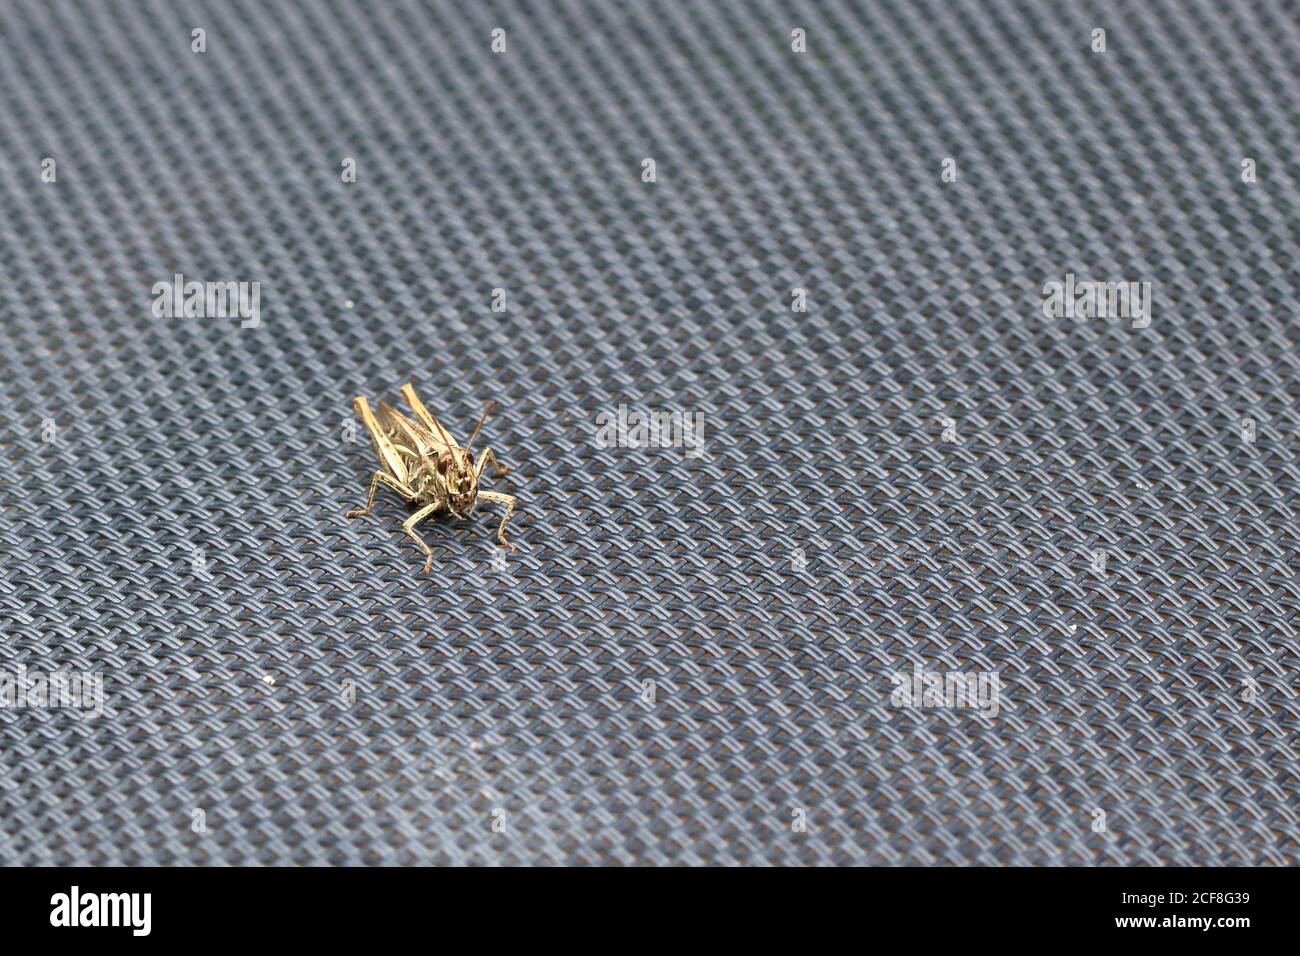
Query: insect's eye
[[469, 456], [442, 466]]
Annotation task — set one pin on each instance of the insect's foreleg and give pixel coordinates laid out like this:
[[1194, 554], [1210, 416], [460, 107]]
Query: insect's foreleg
[[384, 478], [498, 469], [409, 527], [509, 501]]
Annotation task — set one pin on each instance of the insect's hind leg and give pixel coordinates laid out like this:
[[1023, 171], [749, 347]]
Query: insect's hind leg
[[384, 478], [509, 501], [409, 527]]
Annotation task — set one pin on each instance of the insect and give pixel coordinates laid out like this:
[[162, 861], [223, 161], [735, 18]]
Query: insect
[[420, 461]]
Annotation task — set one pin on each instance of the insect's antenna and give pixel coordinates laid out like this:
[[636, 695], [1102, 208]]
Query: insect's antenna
[[470, 443]]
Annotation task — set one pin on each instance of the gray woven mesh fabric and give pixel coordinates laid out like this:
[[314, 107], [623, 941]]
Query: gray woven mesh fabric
[[691, 659]]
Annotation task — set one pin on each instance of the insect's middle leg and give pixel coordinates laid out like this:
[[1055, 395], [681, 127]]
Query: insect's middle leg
[[509, 501], [381, 478], [498, 469], [409, 527]]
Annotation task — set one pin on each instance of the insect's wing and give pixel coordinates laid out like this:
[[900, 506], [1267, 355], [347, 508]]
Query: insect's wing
[[389, 457], [410, 434], [430, 423]]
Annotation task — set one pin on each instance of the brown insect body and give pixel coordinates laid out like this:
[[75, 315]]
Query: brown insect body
[[421, 462]]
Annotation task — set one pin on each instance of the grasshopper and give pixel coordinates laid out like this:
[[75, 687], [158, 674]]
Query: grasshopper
[[420, 461]]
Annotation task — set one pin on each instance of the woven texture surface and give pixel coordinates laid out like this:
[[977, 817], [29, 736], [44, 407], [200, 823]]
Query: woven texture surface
[[293, 676]]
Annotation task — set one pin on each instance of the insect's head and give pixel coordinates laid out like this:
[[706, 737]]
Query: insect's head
[[457, 469]]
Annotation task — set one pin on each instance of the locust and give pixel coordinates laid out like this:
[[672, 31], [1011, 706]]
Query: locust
[[420, 461]]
